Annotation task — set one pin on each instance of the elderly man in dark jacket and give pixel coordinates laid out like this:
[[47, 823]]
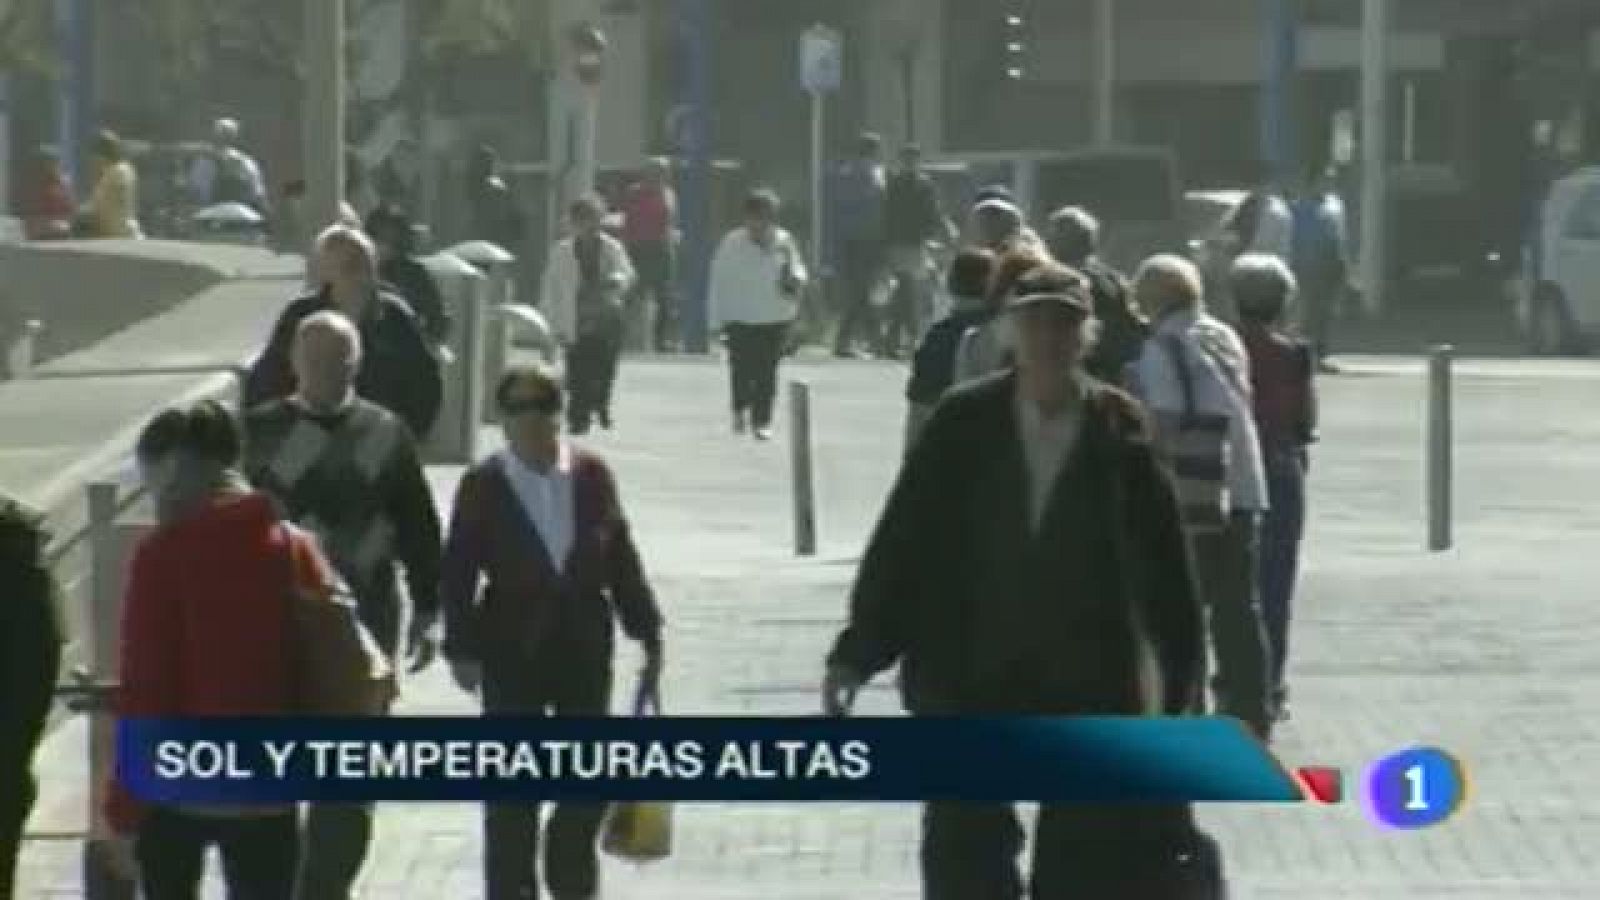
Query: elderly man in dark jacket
[[399, 370], [1074, 238], [1030, 562], [30, 656]]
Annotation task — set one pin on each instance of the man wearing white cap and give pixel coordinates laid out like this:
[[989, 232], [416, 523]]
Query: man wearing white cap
[[227, 174]]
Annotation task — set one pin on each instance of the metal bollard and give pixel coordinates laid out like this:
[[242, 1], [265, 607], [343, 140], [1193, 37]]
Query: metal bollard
[[107, 557], [23, 350], [805, 499], [1440, 447]]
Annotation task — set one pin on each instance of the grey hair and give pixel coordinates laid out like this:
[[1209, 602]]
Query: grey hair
[[351, 238], [1263, 286], [334, 322], [1168, 281]]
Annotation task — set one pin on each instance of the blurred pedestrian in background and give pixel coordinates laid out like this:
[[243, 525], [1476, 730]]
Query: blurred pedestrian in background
[[1282, 372], [30, 662], [47, 208], [933, 369], [650, 228], [987, 346], [1320, 260], [395, 234], [112, 209], [586, 277], [757, 275], [348, 471], [399, 370], [914, 223], [492, 212], [539, 565], [1194, 369], [860, 198], [1074, 241], [226, 174]]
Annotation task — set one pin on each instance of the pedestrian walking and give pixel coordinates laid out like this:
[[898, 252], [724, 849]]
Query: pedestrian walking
[[542, 526], [585, 279], [1074, 240], [400, 272], [224, 173], [756, 279], [914, 222], [933, 369], [997, 222], [492, 211], [649, 228], [348, 471], [1194, 371], [986, 348], [1030, 561], [205, 633], [1263, 222], [112, 210], [399, 370], [859, 205], [30, 660], [399, 177], [1282, 371], [1321, 260]]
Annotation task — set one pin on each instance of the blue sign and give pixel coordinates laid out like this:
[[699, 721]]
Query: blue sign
[[821, 60]]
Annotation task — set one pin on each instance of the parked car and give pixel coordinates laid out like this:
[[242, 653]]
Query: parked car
[[1558, 297]]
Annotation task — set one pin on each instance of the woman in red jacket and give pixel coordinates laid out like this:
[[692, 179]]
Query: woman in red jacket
[[47, 207], [204, 633]]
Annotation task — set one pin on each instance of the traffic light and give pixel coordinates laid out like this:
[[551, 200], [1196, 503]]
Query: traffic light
[[1016, 42]]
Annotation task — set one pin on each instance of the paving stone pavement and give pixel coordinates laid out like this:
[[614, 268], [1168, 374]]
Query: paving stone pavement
[[1486, 650]]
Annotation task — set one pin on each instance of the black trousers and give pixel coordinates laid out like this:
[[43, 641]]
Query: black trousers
[[17, 793], [754, 351], [969, 852], [258, 855], [592, 372], [582, 687], [1227, 569], [860, 268], [654, 263]]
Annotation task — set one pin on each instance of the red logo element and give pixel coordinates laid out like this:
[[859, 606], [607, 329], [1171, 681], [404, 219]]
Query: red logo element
[[1321, 784]]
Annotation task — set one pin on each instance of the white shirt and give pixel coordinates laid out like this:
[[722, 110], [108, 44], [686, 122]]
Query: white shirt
[[547, 499], [1219, 368], [745, 279], [558, 290], [1046, 444]]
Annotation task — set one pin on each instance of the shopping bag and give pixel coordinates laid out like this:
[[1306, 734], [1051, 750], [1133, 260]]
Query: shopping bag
[[639, 832]]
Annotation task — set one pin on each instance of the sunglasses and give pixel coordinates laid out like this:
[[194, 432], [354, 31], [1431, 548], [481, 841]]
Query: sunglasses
[[547, 405]]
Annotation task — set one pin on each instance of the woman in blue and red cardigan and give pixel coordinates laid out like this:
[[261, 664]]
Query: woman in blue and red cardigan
[[541, 525]]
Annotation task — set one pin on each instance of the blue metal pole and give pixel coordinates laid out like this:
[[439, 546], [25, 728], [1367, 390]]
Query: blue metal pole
[[695, 23], [1278, 114], [75, 100]]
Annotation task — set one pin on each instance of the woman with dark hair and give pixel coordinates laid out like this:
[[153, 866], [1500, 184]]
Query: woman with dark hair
[[205, 633], [1284, 388], [585, 278], [756, 278], [112, 209], [986, 347]]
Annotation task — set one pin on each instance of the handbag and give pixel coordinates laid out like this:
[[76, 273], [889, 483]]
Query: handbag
[[1196, 447], [336, 666], [639, 832]]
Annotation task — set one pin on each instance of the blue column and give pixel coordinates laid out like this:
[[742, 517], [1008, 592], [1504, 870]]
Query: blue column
[[695, 22], [1279, 122], [75, 100]]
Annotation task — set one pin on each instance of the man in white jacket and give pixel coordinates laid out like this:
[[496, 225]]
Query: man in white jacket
[[756, 279], [585, 280]]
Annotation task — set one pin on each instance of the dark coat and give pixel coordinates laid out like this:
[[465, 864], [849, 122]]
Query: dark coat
[[527, 608], [412, 281], [399, 371], [30, 644], [1106, 579]]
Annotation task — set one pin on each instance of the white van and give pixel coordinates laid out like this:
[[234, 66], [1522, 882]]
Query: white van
[[1558, 300]]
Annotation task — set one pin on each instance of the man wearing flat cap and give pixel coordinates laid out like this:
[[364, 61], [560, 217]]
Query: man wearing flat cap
[[1030, 561]]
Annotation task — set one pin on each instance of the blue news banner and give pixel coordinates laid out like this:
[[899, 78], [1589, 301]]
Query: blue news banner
[[1059, 760]]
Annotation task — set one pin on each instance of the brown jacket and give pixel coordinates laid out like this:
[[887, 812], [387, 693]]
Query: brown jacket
[[527, 607]]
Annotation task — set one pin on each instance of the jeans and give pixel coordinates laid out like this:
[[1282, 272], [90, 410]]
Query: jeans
[[1227, 571], [1281, 534], [258, 854], [653, 260], [969, 852], [860, 269], [754, 351], [573, 687], [592, 373]]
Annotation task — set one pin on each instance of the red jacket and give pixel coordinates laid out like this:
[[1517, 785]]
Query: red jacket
[[647, 215], [205, 619]]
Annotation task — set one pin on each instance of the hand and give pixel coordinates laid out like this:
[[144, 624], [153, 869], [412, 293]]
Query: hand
[[840, 686], [649, 693], [468, 676], [422, 648]]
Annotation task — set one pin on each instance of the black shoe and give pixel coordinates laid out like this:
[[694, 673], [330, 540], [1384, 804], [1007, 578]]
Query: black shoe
[[763, 433], [605, 419]]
